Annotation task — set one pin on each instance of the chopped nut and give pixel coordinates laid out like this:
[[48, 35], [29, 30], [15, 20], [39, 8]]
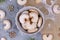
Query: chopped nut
[[11, 8], [12, 34]]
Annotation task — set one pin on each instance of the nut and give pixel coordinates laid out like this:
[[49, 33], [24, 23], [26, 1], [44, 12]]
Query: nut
[[12, 34]]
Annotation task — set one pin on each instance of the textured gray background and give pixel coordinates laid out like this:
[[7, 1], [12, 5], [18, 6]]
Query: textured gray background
[[11, 16]]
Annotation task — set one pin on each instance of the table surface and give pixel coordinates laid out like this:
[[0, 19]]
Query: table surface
[[52, 24]]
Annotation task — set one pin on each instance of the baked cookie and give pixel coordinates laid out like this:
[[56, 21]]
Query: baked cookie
[[2, 14], [7, 24], [21, 2]]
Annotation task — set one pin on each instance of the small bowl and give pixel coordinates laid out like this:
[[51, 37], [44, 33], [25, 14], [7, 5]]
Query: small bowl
[[18, 24]]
